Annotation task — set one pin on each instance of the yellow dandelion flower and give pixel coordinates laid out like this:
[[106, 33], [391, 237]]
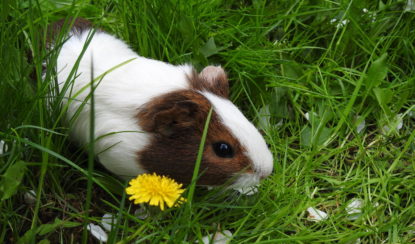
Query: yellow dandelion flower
[[155, 190]]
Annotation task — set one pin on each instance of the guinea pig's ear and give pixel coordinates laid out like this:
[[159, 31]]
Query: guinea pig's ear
[[214, 79], [179, 116], [168, 118]]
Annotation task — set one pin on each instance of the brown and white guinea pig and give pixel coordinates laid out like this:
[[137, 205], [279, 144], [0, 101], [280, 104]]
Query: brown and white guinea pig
[[150, 115]]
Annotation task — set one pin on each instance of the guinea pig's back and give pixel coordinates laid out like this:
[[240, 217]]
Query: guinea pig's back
[[125, 81], [123, 75]]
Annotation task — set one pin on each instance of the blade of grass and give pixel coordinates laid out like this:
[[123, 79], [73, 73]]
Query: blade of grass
[[192, 185], [91, 154]]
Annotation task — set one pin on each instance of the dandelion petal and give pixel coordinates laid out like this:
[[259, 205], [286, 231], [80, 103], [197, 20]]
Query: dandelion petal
[[155, 190]]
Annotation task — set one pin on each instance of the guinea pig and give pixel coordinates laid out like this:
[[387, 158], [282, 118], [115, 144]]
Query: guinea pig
[[149, 115]]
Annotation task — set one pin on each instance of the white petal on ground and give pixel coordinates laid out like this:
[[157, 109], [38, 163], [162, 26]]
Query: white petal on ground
[[30, 197], [396, 123], [3, 147], [141, 213], [218, 238], [399, 121], [410, 5], [307, 115], [279, 42], [97, 232], [385, 129], [342, 23], [250, 190], [108, 221], [373, 16], [361, 125], [316, 215], [354, 208]]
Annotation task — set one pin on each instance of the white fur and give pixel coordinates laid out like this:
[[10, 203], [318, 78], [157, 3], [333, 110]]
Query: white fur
[[247, 135], [117, 97]]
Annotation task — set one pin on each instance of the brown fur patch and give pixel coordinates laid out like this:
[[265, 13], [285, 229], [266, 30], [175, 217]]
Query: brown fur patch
[[79, 25], [212, 79], [176, 121]]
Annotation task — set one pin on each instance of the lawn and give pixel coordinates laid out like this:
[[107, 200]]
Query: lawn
[[331, 84]]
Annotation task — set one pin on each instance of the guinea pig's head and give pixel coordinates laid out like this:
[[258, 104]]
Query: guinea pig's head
[[234, 149]]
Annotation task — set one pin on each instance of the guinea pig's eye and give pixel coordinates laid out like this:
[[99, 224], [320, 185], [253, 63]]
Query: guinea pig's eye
[[223, 149]]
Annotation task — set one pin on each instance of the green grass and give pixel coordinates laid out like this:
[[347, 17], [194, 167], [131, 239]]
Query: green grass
[[284, 59]]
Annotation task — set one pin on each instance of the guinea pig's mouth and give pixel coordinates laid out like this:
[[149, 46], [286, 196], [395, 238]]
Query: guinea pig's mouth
[[246, 183]]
